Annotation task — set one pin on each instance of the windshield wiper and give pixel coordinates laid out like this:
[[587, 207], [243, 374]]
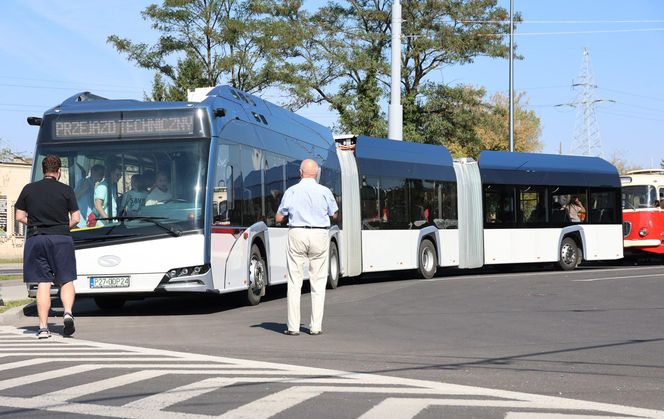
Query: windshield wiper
[[171, 230], [104, 237]]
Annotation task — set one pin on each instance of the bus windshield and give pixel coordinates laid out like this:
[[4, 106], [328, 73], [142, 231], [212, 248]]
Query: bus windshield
[[134, 189], [639, 196]]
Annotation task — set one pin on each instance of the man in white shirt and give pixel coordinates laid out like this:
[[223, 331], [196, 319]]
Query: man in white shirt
[[308, 207]]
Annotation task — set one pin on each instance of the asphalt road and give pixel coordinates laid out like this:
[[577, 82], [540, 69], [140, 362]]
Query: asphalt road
[[594, 334]]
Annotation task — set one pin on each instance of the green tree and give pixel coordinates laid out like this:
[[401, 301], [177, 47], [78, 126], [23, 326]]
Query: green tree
[[493, 130], [7, 154], [449, 116], [210, 40], [342, 59], [442, 33], [461, 119], [339, 61]]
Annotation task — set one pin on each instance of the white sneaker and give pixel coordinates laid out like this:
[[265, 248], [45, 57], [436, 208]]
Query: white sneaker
[[69, 325]]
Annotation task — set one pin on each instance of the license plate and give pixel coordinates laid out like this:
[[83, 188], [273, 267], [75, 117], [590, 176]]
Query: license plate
[[109, 282]]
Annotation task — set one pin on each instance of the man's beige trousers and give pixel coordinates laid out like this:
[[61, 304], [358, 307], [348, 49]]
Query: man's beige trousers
[[310, 245]]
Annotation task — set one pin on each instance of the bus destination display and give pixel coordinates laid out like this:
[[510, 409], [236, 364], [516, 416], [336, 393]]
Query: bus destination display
[[139, 126]]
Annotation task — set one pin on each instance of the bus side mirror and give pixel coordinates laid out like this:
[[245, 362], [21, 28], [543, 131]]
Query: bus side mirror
[[34, 120]]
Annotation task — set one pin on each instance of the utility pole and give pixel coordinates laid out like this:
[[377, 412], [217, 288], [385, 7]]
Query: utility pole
[[395, 111]]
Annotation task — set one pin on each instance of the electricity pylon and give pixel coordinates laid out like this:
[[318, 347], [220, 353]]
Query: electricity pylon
[[586, 139]]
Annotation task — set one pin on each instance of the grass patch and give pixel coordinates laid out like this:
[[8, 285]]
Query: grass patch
[[15, 303], [15, 260], [8, 277]]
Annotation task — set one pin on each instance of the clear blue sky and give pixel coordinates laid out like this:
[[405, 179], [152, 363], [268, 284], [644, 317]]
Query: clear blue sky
[[54, 49]]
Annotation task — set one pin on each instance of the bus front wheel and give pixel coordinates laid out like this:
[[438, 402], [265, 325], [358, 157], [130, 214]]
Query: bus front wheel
[[569, 254], [333, 273], [428, 261], [257, 276]]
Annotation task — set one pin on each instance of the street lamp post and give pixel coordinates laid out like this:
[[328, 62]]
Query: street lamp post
[[395, 112], [511, 93]]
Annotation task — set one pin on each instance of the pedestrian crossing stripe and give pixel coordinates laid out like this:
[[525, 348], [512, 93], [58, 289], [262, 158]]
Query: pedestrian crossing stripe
[[396, 397]]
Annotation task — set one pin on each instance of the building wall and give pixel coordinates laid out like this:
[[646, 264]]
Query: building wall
[[13, 177]]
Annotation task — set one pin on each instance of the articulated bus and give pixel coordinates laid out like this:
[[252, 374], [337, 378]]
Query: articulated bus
[[221, 165], [643, 211]]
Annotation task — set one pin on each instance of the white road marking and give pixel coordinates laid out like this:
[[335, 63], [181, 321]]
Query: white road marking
[[269, 406], [616, 277], [21, 364], [410, 396], [176, 395], [70, 393], [539, 273], [543, 415], [43, 376], [403, 408]]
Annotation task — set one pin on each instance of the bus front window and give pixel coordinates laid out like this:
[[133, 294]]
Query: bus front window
[[639, 196], [135, 188]]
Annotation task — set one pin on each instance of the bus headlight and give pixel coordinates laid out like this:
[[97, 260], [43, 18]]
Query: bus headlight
[[185, 272], [643, 232]]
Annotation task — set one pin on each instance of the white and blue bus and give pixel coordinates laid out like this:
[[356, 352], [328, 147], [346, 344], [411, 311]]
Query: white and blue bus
[[227, 160]]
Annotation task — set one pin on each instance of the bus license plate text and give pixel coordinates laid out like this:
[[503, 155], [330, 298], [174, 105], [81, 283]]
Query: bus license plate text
[[109, 282]]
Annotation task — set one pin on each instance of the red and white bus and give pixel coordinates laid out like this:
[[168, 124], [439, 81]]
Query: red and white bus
[[643, 212]]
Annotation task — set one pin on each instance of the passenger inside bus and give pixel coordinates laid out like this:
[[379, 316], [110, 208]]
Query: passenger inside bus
[[160, 192], [134, 199], [85, 191], [106, 195]]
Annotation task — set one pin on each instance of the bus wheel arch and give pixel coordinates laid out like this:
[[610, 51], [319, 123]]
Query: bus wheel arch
[[570, 253], [334, 269], [257, 273], [427, 258]]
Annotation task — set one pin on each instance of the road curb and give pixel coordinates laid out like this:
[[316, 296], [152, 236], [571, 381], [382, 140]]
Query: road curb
[[13, 315]]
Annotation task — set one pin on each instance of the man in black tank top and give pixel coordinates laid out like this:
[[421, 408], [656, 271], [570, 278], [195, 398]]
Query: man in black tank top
[[50, 210]]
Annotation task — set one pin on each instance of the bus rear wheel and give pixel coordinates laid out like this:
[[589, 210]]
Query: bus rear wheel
[[428, 261], [110, 302], [257, 276], [333, 273], [569, 254]]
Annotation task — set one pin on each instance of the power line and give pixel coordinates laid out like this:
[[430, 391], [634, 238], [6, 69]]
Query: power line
[[589, 32], [632, 94], [565, 22], [60, 81], [630, 116], [66, 88]]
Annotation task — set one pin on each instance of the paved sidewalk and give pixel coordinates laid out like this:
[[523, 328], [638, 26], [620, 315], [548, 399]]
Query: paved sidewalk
[[12, 290]]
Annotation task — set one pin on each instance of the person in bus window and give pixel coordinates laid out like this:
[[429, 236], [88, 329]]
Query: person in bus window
[[106, 195], [85, 192], [134, 199], [160, 191], [576, 210], [538, 214]]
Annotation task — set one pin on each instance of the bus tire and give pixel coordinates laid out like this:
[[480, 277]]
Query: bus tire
[[109, 302], [428, 261], [257, 276], [333, 272], [569, 254]]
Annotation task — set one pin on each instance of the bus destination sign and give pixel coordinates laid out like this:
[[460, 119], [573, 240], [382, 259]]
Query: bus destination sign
[[144, 125]]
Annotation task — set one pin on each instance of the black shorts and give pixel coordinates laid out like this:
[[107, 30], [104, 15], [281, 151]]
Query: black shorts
[[49, 258]]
